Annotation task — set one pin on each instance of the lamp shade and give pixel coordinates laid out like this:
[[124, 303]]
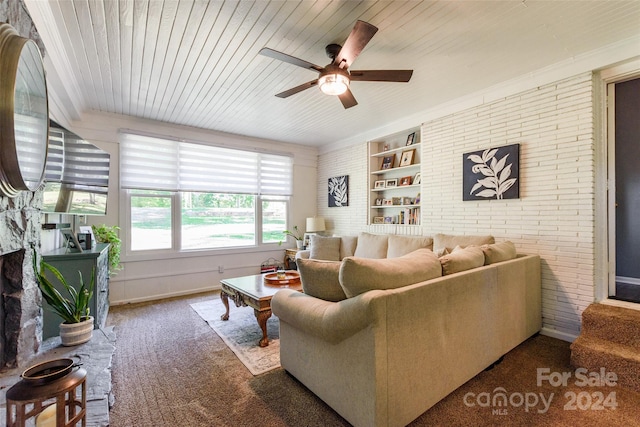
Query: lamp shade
[[315, 224]]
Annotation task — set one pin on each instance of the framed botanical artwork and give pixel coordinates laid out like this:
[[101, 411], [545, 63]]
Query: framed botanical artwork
[[387, 161], [378, 220], [417, 179], [411, 138], [338, 193], [407, 158], [391, 183], [379, 184], [491, 174], [405, 180]]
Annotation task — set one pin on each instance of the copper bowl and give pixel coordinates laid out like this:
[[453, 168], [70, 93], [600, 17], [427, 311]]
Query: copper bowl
[[46, 372]]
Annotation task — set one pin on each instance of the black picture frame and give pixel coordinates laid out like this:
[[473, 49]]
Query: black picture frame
[[387, 162], [411, 138], [491, 174], [71, 241]]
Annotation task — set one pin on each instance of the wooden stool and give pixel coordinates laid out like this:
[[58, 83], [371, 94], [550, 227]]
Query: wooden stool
[[65, 392]]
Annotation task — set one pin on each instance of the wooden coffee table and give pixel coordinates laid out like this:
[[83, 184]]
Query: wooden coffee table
[[251, 291]]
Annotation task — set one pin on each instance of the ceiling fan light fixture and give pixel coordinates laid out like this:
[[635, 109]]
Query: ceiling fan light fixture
[[333, 84]]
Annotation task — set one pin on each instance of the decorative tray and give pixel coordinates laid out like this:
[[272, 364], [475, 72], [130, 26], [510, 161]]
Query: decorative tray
[[291, 277]]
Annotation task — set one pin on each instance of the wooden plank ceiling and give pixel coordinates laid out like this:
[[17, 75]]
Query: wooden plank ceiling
[[196, 63]]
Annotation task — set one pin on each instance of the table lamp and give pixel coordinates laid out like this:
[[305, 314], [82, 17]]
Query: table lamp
[[315, 224]]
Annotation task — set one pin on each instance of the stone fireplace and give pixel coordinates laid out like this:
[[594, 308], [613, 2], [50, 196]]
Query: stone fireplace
[[20, 228], [20, 298]]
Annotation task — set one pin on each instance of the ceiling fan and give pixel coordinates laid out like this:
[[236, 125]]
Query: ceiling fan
[[335, 78]]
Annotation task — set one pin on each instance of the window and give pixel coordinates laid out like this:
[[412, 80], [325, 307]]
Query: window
[[186, 196]]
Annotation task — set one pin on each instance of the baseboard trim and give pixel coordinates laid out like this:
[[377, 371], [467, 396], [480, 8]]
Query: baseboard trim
[[166, 295], [553, 333]]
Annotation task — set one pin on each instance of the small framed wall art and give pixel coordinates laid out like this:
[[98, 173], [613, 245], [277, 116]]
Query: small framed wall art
[[493, 173], [338, 191], [411, 138]]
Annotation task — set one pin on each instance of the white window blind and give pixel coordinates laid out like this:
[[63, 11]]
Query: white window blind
[[153, 163]]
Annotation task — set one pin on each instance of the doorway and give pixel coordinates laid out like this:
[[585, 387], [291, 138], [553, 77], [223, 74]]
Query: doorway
[[626, 133]]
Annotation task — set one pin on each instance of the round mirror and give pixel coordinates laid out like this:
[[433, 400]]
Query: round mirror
[[24, 114]]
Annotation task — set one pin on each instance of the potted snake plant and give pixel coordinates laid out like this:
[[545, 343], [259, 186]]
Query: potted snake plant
[[77, 325]]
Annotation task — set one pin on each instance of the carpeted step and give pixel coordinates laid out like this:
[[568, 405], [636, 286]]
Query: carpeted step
[[593, 353], [615, 324]]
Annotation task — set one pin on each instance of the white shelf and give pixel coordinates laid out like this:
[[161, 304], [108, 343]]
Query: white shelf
[[395, 206], [396, 150], [399, 187], [413, 167]]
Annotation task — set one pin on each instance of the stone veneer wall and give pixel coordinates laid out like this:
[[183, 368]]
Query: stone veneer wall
[[20, 227], [555, 215]]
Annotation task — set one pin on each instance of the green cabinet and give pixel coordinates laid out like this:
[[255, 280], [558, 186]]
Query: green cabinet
[[88, 262]]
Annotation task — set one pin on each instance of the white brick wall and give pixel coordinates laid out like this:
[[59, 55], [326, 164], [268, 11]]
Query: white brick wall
[[554, 217]]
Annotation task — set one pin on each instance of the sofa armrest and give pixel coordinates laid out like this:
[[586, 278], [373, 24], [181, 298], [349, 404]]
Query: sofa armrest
[[304, 254], [329, 321]]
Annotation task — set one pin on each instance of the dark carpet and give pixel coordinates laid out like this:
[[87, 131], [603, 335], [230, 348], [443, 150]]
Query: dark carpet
[[171, 369]]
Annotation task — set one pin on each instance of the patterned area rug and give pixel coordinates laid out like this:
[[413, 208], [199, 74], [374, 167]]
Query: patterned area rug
[[242, 333]]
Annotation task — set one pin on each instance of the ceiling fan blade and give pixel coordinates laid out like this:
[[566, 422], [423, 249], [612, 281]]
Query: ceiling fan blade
[[289, 59], [360, 35], [297, 89], [380, 75], [347, 99]]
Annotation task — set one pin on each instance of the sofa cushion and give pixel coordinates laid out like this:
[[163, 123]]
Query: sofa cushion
[[372, 245], [402, 245], [325, 248], [359, 275], [461, 259], [498, 252], [348, 246], [450, 241], [320, 279]]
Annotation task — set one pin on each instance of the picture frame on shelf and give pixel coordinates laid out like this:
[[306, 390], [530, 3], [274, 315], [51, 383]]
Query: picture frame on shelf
[[407, 158], [411, 138], [407, 201], [379, 184], [387, 202], [378, 220], [388, 220], [390, 183], [405, 180], [387, 162], [417, 179], [379, 202], [396, 201]]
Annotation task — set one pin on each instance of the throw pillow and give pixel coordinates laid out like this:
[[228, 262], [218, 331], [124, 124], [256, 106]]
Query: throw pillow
[[326, 248], [320, 279], [372, 245], [402, 245], [450, 241], [348, 246], [498, 252], [359, 275], [461, 259]]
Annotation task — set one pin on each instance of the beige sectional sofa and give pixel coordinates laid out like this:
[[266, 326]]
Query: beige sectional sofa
[[382, 340]]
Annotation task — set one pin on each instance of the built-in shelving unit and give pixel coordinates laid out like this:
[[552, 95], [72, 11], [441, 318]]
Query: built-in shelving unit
[[394, 169]]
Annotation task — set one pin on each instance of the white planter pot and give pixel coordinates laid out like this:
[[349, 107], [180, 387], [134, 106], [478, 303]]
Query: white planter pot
[[299, 244], [76, 333]]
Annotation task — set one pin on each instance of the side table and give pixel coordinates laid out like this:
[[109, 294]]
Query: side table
[[290, 259]]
